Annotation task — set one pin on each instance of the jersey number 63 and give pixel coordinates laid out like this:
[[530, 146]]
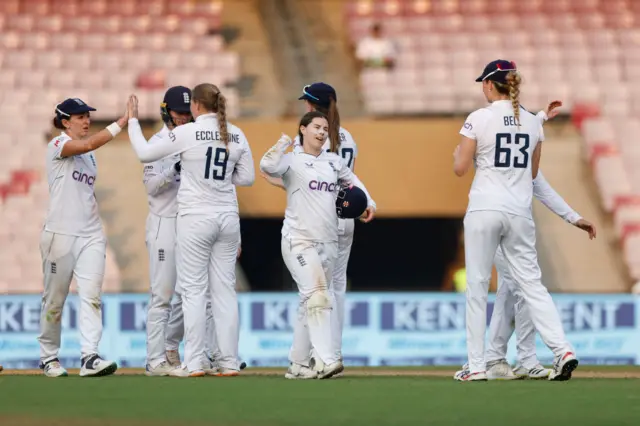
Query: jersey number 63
[[504, 143]]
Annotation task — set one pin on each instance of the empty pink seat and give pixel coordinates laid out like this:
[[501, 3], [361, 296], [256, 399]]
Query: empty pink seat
[[94, 41], [65, 41], [77, 60], [35, 41], [51, 24], [108, 61], [20, 59]]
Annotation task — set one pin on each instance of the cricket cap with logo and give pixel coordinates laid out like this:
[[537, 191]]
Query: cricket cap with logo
[[178, 99], [497, 71], [319, 94], [72, 106]]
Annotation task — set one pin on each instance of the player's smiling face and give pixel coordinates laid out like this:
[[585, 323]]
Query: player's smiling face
[[77, 126], [315, 134]]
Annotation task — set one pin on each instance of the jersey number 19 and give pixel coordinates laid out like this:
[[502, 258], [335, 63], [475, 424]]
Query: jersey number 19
[[503, 150], [219, 169]]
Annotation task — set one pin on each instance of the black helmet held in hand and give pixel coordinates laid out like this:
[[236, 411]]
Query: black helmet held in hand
[[351, 202]]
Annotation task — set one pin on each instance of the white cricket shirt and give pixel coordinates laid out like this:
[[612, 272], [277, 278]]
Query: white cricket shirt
[[162, 181], [73, 209], [312, 184], [209, 172], [503, 179]]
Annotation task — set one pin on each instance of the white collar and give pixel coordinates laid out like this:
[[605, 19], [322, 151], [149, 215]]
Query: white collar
[[211, 115]]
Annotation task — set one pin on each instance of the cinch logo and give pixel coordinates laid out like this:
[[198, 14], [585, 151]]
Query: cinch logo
[[83, 177], [322, 186]]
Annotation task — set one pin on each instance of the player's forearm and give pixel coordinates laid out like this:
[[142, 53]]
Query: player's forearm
[[357, 182], [146, 153], [158, 183], [545, 193], [271, 162]]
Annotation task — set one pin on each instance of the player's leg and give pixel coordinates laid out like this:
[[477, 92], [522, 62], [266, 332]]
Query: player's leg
[[482, 231], [57, 266], [528, 364], [161, 242], [222, 264], [519, 249], [175, 330], [196, 234], [339, 284], [211, 345], [305, 262], [501, 325], [89, 273]]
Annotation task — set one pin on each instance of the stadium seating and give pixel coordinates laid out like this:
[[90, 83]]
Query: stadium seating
[[100, 51], [571, 50]]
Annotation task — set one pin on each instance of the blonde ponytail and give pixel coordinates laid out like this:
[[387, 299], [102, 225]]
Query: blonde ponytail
[[513, 82], [221, 114]]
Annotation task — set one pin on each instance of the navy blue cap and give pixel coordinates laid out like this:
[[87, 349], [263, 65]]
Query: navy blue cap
[[497, 71], [178, 99], [351, 202], [319, 94], [71, 107]]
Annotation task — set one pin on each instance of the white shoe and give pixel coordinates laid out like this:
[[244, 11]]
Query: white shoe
[[54, 369], [300, 372], [173, 358], [466, 376], [501, 371], [211, 368], [563, 367], [94, 366], [536, 373], [227, 372], [325, 371], [161, 369], [183, 372]]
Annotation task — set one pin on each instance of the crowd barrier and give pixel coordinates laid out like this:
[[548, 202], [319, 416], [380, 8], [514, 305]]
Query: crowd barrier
[[382, 329]]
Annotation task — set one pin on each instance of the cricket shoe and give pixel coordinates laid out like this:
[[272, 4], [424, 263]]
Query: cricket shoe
[[501, 370], [211, 368], [536, 373], [183, 372], [173, 358], [563, 367], [1, 369], [53, 368], [94, 366], [300, 372], [325, 371], [162, 369], [465, 375], [227, 372]]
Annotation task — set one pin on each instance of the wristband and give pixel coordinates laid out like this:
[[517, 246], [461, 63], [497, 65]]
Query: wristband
[[114, 128]]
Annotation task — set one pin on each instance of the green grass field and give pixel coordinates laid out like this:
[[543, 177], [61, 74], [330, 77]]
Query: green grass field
[[366, 397]]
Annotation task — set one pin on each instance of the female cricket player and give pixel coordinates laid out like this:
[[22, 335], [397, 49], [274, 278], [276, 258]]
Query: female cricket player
[[73, 242], [214, 156], [504, 140], [322, 97], [309, 244]]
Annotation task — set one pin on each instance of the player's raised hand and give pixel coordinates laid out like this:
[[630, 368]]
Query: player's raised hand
[[586, 226], [368, 215], [552, 109], [133, 106], [122, 121]]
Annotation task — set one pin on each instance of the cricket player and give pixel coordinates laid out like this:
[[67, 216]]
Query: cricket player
[[310, 238], [73, 243], [322, 97], [214, 156], [504, 140]]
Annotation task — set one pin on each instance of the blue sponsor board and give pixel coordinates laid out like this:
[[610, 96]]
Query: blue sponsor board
[[380, 329]]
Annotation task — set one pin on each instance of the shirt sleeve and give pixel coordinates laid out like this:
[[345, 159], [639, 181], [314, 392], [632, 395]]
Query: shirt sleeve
[[171, 144], [275, 162], [244, 173], [156, 179], [472, 125], [543, 191], [57, 146], [347, 177]]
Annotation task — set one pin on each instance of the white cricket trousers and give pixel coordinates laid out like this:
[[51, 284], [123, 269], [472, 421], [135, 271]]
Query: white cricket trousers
[[209, 243], [339, 285], [161, 245], [484, 232], [311, 266], [509, 307], [175, 328], [65, 257]]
